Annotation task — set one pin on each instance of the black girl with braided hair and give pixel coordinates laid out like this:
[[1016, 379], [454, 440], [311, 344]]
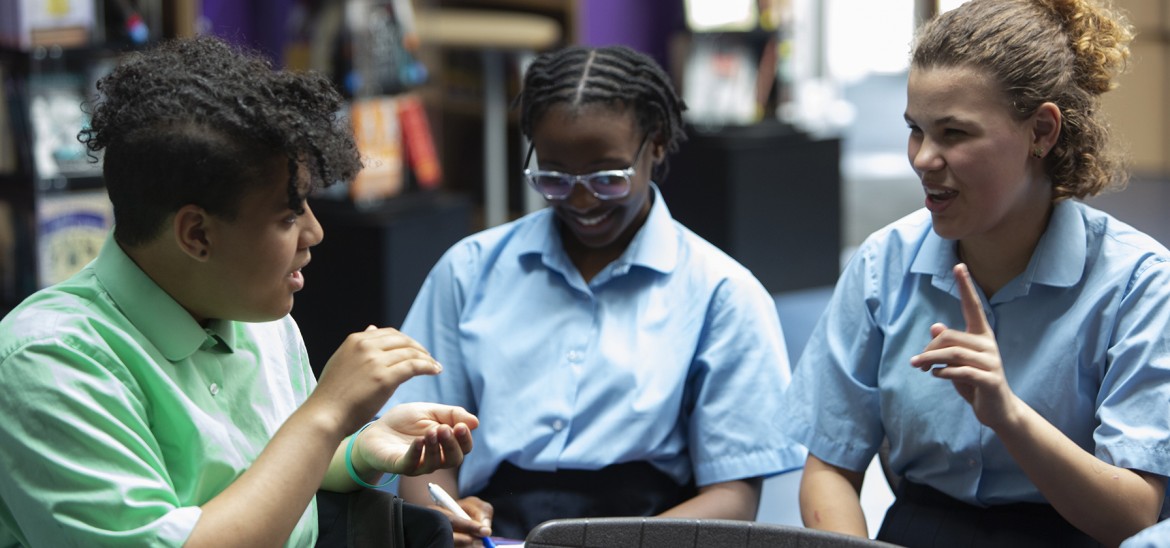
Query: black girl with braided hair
[[1008, 341], [623, 366]]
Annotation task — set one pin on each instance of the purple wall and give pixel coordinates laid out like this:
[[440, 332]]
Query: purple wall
[[645, 25], [258, 24]]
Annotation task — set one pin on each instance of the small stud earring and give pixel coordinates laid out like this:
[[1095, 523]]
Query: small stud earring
[[1038, 152]]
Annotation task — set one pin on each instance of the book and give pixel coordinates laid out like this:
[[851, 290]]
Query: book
[[71, 228], [56, 117], [419, 142], [69, 37], [379, 141]]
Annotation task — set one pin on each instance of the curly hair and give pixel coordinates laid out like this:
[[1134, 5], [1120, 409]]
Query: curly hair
[[197, 121], [1067, 52], [616, 76]]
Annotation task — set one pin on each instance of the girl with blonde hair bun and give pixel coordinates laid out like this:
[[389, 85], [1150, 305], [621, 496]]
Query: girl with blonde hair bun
[[1008, 342]]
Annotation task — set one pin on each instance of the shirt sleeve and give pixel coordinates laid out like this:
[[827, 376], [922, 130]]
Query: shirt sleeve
[[1134, 409], [833, 405], [300, 371], [82, 467], [741, 369], [1155, 536], [433, 321]]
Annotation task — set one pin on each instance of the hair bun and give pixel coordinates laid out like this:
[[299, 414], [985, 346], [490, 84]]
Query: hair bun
[[1099, 36]]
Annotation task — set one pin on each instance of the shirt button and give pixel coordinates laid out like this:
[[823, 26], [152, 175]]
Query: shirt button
[[574, 356], [214, 388], [558, 425]]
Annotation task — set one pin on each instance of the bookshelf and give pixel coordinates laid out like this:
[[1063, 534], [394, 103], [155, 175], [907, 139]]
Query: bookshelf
[[53, 208], [386, 229], [54, 211], [477, 50]]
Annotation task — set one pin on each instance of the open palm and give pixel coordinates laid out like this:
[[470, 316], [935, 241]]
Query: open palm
[[417, 438]]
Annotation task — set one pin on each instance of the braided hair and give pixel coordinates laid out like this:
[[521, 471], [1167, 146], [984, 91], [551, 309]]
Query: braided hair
[[616, 76], [197, 121]]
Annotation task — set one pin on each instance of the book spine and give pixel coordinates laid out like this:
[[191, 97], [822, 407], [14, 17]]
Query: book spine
[[419, 142]]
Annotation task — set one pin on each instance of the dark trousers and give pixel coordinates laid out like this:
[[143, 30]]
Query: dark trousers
[[922, 516], [522, 499]]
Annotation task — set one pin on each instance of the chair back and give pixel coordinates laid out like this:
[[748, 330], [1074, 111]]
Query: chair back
[[654, 532]]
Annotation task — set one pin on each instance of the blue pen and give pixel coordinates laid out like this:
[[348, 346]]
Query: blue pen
[[440, 496]]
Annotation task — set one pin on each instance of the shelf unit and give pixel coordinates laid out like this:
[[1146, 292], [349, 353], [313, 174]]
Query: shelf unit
[[54, 213], [53, 209], [476, 73]]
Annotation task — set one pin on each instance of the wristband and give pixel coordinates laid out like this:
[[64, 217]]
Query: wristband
[[349, 462]]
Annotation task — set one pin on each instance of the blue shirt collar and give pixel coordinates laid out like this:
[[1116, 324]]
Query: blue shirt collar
[[655, 246], [1058, 261], [160, 318]]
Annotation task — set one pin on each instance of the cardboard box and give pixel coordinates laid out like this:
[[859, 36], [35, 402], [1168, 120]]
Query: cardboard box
[[1139, 110], [30, 23]]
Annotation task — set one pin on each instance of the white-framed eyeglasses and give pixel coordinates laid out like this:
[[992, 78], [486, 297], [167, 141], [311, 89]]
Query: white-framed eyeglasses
[[608, 184]]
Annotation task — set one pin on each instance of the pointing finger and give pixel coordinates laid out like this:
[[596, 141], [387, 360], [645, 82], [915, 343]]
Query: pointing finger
[[972, 306]]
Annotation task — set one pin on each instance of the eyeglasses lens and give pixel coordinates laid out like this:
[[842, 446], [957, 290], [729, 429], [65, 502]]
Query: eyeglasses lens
[[609, 185], [552, 186]]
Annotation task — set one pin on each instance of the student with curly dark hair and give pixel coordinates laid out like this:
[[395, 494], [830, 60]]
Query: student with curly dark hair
[[162, 396], [628, 367], [1008, 341]]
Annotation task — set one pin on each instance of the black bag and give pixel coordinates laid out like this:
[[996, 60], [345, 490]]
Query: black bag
[[375, 518]]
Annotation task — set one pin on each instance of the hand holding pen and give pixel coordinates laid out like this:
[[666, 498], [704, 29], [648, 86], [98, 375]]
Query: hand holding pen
[[444, 500]]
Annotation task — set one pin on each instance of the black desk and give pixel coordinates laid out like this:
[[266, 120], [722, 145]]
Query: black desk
[[765, 194], [371, 264]]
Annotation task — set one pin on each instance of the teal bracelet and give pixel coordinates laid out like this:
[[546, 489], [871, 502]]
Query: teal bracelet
[[349, 462]]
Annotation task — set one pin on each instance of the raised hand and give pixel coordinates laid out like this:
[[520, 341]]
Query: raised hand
[[970, 358], [365, 371]]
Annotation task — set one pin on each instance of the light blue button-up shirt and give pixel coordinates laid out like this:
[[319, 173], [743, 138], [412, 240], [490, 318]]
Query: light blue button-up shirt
[[672, 354], [1155, 536], [1082, 333]]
